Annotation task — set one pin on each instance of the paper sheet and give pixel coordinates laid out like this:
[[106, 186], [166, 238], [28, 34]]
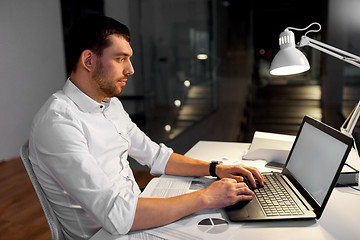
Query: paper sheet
[[170, 186]]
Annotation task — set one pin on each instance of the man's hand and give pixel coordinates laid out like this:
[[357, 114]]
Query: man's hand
[[234, 172], [153, 212], [226, 192], [184, 166]]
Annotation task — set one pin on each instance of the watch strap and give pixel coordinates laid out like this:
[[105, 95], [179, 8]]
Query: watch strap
[[212, 168]]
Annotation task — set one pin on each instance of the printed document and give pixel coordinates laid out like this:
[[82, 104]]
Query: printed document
[[205, 224]]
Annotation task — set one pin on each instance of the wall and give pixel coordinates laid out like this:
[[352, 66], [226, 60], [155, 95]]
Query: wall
[[32, 66]]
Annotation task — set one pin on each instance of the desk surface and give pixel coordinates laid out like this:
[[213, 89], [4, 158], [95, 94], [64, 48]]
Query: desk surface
[[340, 219]]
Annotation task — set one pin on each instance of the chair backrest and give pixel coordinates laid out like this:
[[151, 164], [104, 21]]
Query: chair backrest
[[54, 224]]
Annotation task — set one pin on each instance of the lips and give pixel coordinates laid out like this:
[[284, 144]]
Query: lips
[[123, 82]]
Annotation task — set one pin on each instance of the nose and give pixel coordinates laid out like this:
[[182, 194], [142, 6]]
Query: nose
[[129, 70]]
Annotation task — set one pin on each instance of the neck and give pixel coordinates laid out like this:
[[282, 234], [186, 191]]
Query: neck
[[84, 82]]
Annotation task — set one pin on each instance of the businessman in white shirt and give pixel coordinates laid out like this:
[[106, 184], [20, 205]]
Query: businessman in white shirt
[[81, 138]]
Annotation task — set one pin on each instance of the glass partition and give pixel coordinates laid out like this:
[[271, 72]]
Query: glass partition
[[177, 65]]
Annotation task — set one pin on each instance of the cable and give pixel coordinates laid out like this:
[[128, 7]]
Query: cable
[[303, 29]]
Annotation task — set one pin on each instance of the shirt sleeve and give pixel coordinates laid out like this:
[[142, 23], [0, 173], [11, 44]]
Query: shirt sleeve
[[143, 149], [149, 153], [60, 149]]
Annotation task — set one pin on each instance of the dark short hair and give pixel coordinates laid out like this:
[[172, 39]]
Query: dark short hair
[[92, 32]]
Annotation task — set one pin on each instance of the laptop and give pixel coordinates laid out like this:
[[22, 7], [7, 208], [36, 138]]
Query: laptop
[[309, 176]]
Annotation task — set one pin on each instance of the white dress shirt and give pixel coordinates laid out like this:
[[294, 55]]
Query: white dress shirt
[[79, 149]]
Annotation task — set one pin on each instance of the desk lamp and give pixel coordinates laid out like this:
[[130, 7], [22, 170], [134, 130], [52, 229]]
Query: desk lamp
[[350, 122], [289, 60]]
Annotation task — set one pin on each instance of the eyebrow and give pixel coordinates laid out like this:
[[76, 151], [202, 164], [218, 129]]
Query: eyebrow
[[122, 54], [126, 54]]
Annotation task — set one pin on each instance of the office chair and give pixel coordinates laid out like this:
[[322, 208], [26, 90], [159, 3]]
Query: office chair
[[54, 224]]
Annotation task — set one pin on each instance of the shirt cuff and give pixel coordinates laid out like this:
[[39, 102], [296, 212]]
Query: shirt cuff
[[161, 159]]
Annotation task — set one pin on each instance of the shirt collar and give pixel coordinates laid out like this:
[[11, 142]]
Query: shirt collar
[[83, 101]]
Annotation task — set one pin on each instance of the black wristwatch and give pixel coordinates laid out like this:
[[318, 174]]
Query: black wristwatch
[[213, 165]]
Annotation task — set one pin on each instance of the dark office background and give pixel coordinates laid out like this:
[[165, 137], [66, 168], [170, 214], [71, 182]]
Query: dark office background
[[177, 97], [237, 33]]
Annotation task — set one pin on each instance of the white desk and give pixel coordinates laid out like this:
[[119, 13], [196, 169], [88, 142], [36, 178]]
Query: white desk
[[340, 220]]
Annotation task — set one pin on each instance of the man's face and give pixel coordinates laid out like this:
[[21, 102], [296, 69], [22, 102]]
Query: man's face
[[114, 67]]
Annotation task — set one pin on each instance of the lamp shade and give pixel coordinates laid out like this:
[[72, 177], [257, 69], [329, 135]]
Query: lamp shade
[[289, 60]]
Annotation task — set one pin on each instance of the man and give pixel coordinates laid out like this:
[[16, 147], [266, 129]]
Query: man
[[81, 138]]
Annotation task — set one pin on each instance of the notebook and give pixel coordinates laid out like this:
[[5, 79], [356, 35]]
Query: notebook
[[309, 176]]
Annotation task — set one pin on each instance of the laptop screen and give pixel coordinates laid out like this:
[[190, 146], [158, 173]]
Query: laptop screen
[[315, 160]]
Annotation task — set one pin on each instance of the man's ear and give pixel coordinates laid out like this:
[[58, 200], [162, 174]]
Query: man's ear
[[87, 60]]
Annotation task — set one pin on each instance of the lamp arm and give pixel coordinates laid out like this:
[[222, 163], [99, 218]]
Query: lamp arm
[[332, 51]]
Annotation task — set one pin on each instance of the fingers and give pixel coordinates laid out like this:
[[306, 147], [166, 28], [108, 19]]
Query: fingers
[[239, 188], [243, 193], [233, 171], [238, 178], [250, 172], [228, 192], [243, 189]]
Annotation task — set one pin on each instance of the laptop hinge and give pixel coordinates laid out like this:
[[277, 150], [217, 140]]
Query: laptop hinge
[[297, 193]]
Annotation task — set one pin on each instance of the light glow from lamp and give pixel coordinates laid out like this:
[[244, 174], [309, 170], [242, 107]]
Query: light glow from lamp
[[289, 60]]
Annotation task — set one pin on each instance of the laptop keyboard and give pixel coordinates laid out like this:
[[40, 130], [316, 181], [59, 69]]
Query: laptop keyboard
[[275, 200]]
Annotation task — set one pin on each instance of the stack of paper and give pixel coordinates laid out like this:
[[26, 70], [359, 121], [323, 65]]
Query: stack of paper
[[271, 147]]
